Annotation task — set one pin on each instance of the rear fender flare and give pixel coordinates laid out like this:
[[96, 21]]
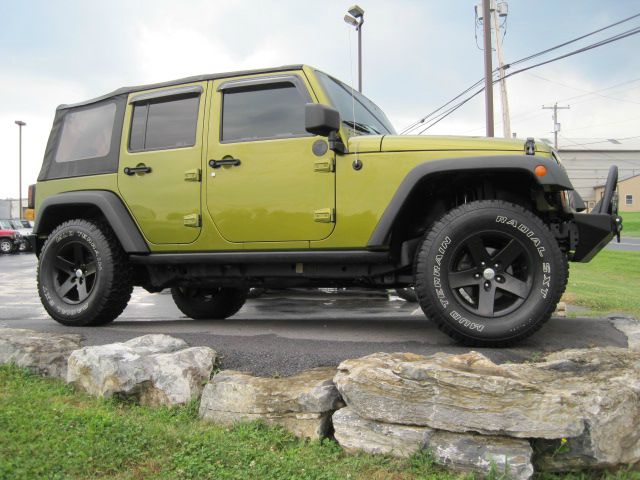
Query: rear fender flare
[[108, 203]]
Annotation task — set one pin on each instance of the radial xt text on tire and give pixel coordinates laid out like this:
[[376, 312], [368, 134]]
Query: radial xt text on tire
[[84, 278], [209, 303], [489, 273]]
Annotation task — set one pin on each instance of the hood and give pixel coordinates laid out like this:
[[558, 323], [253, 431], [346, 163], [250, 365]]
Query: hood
[[407, 143]]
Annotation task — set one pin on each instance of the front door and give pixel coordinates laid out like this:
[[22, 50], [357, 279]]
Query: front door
[[268, 180], [159, 175]]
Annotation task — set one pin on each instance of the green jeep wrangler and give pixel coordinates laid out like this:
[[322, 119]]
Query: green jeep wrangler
[[283, 177]]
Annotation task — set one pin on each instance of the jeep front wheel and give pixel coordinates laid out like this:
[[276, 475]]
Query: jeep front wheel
[[490, 273], [209, 303], [84, 277]]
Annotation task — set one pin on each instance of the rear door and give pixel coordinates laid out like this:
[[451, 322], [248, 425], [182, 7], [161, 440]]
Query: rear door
[[159, 175], [268, 180]]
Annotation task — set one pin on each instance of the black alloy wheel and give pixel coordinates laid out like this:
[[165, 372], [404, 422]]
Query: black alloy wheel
[[74, 272], [491, 273]]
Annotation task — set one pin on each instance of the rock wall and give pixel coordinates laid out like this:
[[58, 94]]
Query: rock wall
[[155, 369], [42, 353], [303, 403], [579, 408], [574, 410]]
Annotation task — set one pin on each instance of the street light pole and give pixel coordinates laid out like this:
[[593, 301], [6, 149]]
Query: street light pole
[[356, 19], [20, 124]]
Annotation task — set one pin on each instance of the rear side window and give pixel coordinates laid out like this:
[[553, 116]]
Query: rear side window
[[86, 133], [160, 125], [273, 111]]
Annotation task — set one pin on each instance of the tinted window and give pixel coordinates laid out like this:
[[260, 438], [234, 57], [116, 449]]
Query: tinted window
[[356, 110], [167, 124], [266, 112], [86, 133]]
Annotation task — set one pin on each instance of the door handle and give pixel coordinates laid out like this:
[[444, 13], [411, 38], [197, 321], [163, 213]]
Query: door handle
[[234, 162], [138, 169]]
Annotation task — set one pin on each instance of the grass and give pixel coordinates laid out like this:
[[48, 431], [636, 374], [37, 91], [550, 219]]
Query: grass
[[47, 430], [609, 283], [630, 224]]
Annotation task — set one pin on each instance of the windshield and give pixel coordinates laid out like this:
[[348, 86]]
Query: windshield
[[6, 224], [369, 119]]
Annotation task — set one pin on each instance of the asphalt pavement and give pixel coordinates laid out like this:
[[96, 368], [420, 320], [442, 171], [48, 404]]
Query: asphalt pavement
[[630, 244], [288, 331]]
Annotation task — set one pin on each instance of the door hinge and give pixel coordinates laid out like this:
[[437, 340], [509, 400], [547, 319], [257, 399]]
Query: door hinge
[[192, 175], [327, 165], [324, 215], [192, 220]]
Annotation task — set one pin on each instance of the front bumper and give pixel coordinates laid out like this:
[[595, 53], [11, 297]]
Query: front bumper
[[596, 229]]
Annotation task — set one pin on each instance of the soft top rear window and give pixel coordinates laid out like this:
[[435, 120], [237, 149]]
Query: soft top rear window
[[86, 133]]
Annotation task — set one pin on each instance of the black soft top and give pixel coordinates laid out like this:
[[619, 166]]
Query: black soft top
[[180, 81]]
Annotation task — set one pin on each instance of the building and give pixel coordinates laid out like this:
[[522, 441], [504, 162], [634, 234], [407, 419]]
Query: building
[[587, 162], [628, 193], [9, 208]]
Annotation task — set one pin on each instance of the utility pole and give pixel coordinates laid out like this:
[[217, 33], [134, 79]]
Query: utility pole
[[488, 70], [20, 125], [556, 125], [506, 121]]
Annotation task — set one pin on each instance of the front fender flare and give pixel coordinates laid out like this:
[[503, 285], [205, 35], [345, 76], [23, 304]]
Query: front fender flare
[[556, 179]]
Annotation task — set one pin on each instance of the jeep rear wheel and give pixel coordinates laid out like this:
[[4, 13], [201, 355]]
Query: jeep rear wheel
[[209, 303], [490, 273], [84, 278]]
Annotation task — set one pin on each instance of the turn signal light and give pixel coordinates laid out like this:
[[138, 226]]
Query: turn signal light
[[540, 170], [31, 199]]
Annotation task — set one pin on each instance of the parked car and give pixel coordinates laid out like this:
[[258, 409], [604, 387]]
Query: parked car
[[287, 177], [9, 239], [25, 227]]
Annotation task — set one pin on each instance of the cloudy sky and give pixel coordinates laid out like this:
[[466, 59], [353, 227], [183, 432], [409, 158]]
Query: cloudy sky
[[417, 55]]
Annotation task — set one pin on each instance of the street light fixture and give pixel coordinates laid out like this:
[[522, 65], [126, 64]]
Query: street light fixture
[[356, 19], [20, 124]]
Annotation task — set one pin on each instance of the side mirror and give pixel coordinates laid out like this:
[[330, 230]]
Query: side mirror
[[320, 119]]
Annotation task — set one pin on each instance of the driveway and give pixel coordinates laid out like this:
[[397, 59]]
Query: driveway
[[288, 331]]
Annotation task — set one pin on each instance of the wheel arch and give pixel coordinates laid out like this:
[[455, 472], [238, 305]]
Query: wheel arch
[[434, 187], [89, 204]]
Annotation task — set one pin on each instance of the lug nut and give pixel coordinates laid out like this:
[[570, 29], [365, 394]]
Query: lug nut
[[476, 276]]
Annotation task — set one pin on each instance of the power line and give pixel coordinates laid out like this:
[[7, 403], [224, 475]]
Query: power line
[[417, 124], [534, 55], [587, 92], [615, 38]]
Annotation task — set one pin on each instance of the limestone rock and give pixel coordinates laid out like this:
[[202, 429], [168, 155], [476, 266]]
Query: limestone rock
[[155, 369], [457, 393], [465, 452], [302, 404], [606, 382], [43, 353], [589, 396]]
